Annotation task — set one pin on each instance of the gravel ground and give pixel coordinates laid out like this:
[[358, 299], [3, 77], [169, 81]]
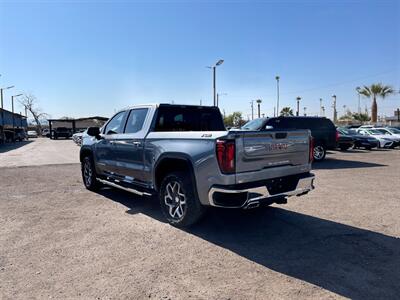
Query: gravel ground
[[58, 240]]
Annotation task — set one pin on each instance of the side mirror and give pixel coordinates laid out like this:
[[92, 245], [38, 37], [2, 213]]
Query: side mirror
[[268, 127], [93, 131]]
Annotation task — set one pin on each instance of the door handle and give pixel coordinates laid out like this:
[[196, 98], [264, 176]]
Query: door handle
[[137, 144]]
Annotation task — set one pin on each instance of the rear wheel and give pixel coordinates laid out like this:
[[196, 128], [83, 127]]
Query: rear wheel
[[319, 152], [179, 202], [89, 174]]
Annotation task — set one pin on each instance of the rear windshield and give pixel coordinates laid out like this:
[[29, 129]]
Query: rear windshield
[[188, 118], [253, 124]]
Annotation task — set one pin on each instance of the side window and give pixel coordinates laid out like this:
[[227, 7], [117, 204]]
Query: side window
[[136, 120], [116, 124]]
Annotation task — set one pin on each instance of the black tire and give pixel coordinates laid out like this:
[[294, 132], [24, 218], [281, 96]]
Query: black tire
[[89, 176], [178, 200], [368, 148], [344, 148], [319, 152]]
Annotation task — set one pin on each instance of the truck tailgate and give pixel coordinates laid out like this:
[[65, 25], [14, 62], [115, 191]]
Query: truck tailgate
[[258, 150]]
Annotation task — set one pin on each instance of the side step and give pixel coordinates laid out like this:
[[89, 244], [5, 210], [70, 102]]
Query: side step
[[106, 182]]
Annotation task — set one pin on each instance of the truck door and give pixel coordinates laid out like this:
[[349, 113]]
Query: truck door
[[105, 147], [130, 147]]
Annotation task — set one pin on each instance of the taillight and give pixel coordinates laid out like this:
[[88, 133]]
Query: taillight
[[337, 136], [311, 153], [226, 156]]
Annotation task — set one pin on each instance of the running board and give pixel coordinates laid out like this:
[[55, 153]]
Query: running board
[[123, 188]]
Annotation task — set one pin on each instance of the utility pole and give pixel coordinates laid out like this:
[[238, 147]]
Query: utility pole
[[277, 92], [274, 111], [258, 106], [252, 109], [334, 109], [320, 106], [298, 106]]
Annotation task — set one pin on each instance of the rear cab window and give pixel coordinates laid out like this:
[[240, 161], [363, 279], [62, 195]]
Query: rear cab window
[[188, 118]]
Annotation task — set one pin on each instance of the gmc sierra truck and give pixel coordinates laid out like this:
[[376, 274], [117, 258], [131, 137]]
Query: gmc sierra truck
[[184, 155]]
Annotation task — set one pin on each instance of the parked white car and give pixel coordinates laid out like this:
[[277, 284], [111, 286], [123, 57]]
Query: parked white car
[[385, 141], [390, 131], [32, 134]]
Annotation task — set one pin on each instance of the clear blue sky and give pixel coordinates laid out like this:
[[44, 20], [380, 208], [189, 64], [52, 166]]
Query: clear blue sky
[[85, 58]]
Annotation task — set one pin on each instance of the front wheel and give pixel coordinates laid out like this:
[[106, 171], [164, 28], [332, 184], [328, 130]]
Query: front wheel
[[89, 174], [179, 202], [319, 153]]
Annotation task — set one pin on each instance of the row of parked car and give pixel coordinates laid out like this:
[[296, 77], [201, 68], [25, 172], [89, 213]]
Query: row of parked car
[[328, 137]]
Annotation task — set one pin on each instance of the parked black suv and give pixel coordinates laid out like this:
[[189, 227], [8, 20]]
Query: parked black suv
[[61, 132], [322, 130]]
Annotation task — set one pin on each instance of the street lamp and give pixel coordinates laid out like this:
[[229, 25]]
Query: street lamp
[[298, 105], [277, 92], [258, 106], [320, 106], [12, 106], [214, 67]]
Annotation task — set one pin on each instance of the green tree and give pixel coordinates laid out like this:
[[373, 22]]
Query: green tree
[[234, 119], [373, 91], [362, 117], [286, 112]]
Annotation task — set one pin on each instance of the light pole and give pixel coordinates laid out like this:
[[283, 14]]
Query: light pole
[[252, 109], [12, 106], [323, 111], [277, 92], [258, 106], [305, 109], [214, 67], [298, 105]]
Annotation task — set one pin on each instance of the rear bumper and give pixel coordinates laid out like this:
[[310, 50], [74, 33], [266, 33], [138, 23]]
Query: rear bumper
[[231, 197]]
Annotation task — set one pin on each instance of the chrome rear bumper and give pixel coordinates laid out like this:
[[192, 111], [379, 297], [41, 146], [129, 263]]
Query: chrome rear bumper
[[256, 194]]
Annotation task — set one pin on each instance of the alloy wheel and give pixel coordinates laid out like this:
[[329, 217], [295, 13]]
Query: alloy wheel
[[175, 199]]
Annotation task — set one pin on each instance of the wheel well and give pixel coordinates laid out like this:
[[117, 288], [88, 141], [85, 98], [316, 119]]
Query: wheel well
[[168, 165], [84, 153]]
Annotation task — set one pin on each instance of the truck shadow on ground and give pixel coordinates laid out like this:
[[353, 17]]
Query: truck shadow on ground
[[346, 260], [333, 163], [12, 146]]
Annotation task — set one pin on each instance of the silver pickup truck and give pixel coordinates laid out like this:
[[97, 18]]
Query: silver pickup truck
[[184, 155]]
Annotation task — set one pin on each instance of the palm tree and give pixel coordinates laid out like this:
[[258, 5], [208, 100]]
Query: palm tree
[[373, 91], [286, 112]]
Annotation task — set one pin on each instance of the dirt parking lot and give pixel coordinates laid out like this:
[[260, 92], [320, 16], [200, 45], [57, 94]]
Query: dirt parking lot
[[58, 240]]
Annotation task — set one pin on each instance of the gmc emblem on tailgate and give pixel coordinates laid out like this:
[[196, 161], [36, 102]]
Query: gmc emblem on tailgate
[[278, 146]]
